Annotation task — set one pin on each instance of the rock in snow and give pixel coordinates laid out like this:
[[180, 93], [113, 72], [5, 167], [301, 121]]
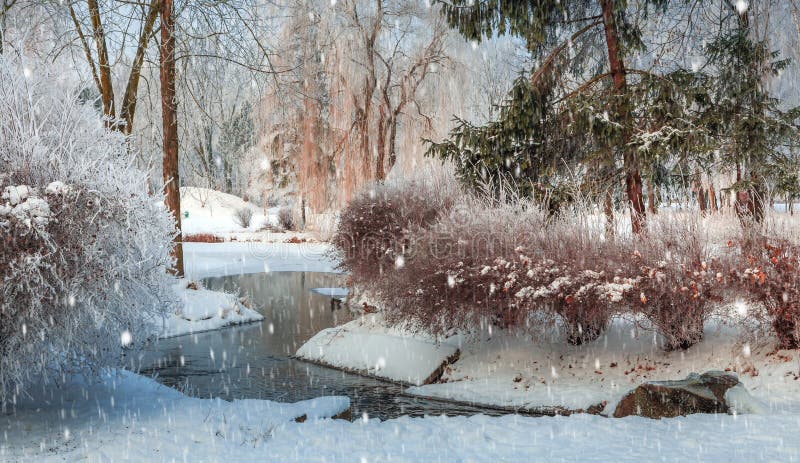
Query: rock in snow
[[706, 393]]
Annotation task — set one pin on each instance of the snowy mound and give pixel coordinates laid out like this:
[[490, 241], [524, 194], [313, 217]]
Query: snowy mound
[[204, 310], [127, 417], [204, 201], [364, 346]]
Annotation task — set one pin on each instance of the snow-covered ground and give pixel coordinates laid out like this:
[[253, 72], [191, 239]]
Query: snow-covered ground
[[511, 371], [366, 346], [128, 418], [212, 212]]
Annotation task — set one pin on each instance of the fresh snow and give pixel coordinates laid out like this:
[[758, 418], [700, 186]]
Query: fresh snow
[[213, 212], [365, 346], [500, 369], [129, 418], [518, 372], [204, 310]]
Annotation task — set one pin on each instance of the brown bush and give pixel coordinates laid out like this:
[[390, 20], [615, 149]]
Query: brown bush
[[514, 266], [285, 219], [202, 238], [678, 278], [243, 217], [772, 278], [376, 228]]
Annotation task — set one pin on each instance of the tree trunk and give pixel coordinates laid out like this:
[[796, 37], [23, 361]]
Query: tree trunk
[[392, 144], [633, 179], [712, 196], [608, 209], [103, 63], [3, 11], [700, 192], [652, 204], [380, 173], [169, 118]]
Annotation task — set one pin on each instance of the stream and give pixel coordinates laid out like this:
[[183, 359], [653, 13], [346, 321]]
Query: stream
[[254, 361]]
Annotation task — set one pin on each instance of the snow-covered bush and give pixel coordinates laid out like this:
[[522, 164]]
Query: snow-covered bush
[[377, 226], [510, 264], [243, 217], [679, 277], [84, 249], [451, 274]]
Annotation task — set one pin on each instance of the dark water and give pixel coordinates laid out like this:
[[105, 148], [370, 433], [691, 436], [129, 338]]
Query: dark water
[[253, 361]]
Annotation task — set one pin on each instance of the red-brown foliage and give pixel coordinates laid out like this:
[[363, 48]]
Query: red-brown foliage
[[376, 227], [202, 238], [514, 266], [772, 278]]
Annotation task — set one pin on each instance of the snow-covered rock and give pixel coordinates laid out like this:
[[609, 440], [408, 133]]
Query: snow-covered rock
[[704, 393]]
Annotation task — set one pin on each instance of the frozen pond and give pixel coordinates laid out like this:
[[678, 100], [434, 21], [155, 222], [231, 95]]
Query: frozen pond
[[254, 361]]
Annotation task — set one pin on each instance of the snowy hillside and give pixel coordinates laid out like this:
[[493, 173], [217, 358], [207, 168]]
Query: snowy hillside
[[212, 211]]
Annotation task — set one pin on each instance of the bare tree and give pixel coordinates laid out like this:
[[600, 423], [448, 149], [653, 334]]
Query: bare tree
[[5, 6], [101, 66], [404, 72]]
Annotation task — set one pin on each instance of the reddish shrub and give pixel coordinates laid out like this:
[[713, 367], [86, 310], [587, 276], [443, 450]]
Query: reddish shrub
[[514, 266], [772, 278], [488, 266], [677, 279], [202, 238], [376, 227], [676, 298]]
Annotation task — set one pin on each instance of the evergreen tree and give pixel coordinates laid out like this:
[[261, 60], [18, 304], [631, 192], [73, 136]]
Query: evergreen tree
[[542, 23], [755, 136]]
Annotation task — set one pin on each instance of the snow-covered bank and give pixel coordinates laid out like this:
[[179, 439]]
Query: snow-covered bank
[[499, 369], [200, 309], [367, 347], [505, 370], [202, 260], [127, 417]]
